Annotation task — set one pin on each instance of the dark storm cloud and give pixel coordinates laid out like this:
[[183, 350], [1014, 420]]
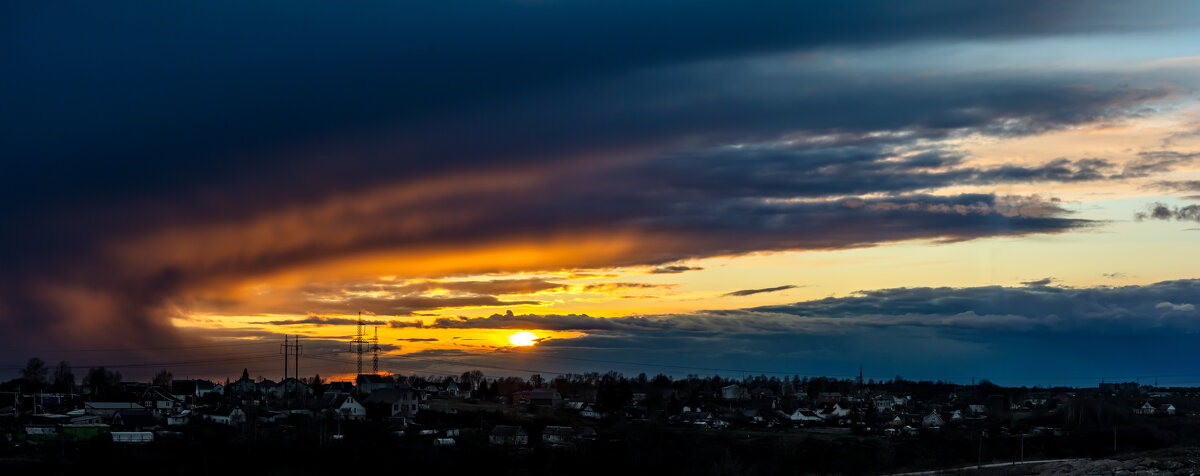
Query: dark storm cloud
[[322, 321], [1101, 309], [750, 292], [405, 306], [1003, 333], [490, 287], [1038, 306], [209, 144]]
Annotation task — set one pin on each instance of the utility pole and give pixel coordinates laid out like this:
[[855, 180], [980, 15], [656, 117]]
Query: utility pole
[[297, 357], [979, 455], [359, 340], [375, 352], [291, 350], [1022, 447], [284, 347]]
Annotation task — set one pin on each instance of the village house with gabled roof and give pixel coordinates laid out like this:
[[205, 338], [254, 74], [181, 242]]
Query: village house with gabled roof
[[134, 420], [225, 415], [402, 402], [342, 405], [508, 435]]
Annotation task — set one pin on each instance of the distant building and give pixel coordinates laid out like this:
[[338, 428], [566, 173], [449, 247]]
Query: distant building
[[344, 405], [403, 402], [134, 420], [507, 435], [367, 383], [733, 392], [226, 415], [558, 435], [933, 420], [108, 409]]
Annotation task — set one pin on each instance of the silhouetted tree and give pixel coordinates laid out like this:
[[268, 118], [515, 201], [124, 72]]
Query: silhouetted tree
[[34, 373], [101, 381], [64, 378], [318, 387], [163, 377], [471, 379]]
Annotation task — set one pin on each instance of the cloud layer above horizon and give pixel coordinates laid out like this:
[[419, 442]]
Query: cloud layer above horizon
[[169, 166]]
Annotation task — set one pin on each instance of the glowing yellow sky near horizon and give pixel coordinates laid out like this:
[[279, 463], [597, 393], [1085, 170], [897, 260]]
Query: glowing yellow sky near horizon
[[1117, 251]]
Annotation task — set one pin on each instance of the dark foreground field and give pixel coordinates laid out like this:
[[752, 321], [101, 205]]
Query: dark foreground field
[[624, 448]]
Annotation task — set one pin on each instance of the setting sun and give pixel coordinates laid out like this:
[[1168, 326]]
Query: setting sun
[[523, 338]]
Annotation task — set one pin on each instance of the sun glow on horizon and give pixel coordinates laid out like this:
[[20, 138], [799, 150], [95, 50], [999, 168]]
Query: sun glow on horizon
[[523, 338]]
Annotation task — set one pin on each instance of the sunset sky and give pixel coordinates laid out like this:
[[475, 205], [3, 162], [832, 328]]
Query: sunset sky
[[939, 190]]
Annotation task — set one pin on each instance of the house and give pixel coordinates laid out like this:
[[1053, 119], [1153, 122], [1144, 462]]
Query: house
[[226, 415], [1166, 409], [108, 409], [343, 405], [558, 435], [159, 400], [932, 420], [84, 431], [733, 392], [182, 389], [290, 387], [179, 419], [545, 397], [803, 415], [537, 396], [1145, 409], [368, 383], [508, 435], [585, 433], [402, 402], [267, 386], [977, 409], [134, 420], [589, 411], [268, 417], [244, 386], [829, 397], [577, 406], [834, 411], [956, 416], [133, 436], [87, 420], [339, 387]]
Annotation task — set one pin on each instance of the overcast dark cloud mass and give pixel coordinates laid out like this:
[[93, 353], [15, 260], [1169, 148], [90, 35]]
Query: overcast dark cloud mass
[[988, 329], [159, 154]]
